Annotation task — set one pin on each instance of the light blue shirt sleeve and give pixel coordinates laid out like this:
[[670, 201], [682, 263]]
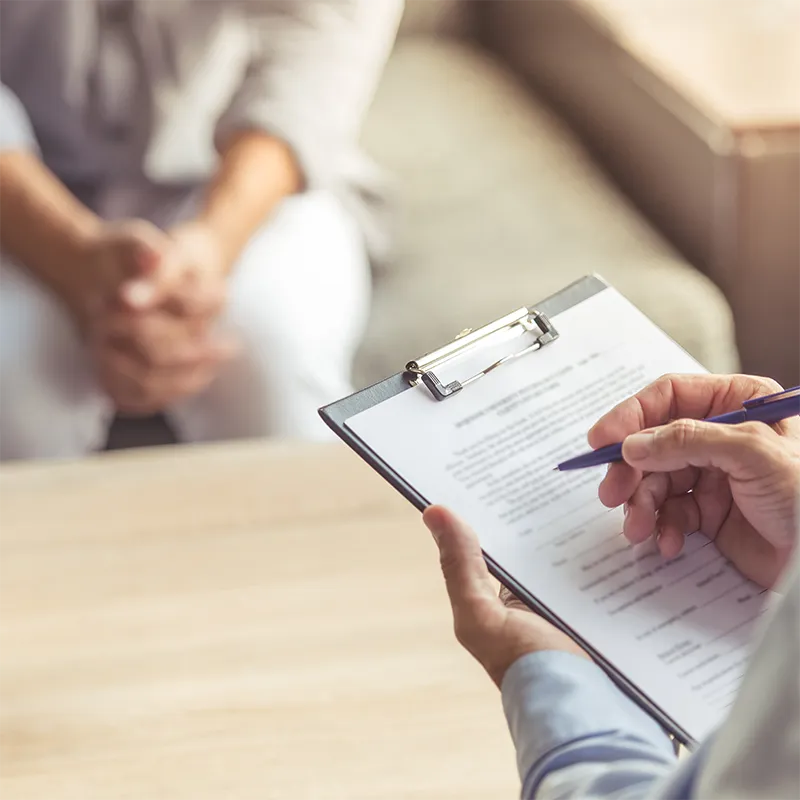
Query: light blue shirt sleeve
[[577, 735]]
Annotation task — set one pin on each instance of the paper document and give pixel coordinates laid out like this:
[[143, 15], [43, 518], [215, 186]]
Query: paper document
[[678, 629]]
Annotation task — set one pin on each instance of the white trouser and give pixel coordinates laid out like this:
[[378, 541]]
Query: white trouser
[[298, 301]]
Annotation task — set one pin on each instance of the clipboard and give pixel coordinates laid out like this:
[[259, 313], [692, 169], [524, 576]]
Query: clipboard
[[536, 319]]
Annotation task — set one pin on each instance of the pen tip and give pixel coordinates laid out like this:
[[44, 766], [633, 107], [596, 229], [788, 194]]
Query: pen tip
[[555, 469]]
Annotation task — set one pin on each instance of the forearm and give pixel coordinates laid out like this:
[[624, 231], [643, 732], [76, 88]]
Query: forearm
[[312, 77], [256, 172], [577, 735], [42, 225]]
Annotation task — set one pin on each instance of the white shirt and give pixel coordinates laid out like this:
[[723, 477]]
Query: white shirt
[[124, 91]]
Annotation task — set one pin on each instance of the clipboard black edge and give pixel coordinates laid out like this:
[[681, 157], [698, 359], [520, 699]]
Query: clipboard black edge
[[335, 416]]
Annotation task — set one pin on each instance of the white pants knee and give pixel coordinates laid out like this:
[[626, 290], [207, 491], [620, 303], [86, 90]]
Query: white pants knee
[[50, 404], [298, 304], [298, 301]]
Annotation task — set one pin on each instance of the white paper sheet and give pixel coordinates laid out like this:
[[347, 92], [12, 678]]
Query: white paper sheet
[[678, 629]]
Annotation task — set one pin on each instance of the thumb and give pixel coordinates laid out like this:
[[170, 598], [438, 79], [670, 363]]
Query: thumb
[[156, 276], [465, 572], [137, 249], [742, 451]]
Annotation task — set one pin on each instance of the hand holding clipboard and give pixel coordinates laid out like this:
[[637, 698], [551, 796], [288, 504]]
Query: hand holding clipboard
[[482, 441]]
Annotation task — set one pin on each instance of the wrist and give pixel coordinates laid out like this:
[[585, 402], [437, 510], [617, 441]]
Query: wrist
[[80, 241], [497, 669], [256, 173], [206, 246], [210, 231]]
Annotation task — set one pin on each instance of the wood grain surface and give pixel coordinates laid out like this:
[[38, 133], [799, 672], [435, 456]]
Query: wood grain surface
[[237, 621]]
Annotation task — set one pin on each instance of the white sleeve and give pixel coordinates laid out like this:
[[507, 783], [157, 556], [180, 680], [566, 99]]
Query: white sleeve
[[314, 68], [16, 132]]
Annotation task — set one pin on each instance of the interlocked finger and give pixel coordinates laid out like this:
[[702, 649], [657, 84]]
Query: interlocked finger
[[677, 518]]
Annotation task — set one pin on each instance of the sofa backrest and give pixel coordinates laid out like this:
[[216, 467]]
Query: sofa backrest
[[436, 17]]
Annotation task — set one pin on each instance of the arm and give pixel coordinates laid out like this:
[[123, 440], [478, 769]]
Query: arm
[[256, 172], [576, 735], [43, 226], [565, 725], [297, 114], [756, 752]]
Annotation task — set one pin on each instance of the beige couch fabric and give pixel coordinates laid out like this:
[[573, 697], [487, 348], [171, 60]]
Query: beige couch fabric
[[437, 17], [499, 206]]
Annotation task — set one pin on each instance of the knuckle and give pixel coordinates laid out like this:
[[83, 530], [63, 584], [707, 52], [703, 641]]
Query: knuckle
[[681, 432], [755, 431], [152, 355], [663, 386], [148, 346], [769, 385], [135, 229], [756, 438], [148, 386], [447, 563], [653, 487]]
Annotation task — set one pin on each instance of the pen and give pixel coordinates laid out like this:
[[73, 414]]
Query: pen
[[768, 409]]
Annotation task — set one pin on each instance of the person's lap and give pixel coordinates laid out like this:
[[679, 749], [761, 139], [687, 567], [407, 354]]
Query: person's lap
[[298, 301]]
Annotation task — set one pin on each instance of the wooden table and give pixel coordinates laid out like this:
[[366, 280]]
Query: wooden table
[[240, 621]]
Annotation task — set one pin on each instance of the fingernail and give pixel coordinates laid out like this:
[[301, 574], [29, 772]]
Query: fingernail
[[639, 445], [139, 293], [626, 509]]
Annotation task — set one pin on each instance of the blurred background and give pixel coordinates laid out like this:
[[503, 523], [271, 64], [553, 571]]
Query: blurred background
[[656, 142], [224, 621]]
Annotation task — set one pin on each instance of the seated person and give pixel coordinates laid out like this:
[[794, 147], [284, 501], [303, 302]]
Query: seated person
[[184, 214], [576, 734]]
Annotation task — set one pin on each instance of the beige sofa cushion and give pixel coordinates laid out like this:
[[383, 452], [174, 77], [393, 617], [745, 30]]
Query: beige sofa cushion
[[499, 207]]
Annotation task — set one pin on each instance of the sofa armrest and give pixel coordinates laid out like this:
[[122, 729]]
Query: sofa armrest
[[523, 34], [439, 18]]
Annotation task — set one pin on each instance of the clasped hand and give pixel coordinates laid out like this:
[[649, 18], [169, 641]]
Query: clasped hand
[[737, 484], [151, 300]]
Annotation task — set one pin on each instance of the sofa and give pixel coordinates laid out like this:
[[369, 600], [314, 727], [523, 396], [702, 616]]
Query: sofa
[[497, 205], [694, 109]]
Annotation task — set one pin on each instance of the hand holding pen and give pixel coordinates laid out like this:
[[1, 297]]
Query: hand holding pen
[[769, 409], [737, 484]]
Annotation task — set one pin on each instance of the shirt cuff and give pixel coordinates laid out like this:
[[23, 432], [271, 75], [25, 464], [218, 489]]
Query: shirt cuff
[[554, 700], [16, 132]]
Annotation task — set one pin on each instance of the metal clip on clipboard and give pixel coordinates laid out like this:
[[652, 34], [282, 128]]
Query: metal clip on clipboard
[[530, 320]]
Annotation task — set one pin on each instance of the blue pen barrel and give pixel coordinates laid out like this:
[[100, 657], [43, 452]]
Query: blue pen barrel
[[603, 455], [732, 417], [770, 409]]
